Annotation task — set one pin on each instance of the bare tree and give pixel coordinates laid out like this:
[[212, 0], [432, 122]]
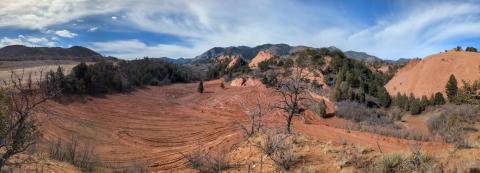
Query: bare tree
[[255, 114], [20, 99], [292, 90]]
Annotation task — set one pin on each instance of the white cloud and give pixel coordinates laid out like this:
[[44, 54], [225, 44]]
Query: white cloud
[[65, 34], [136, 49], [93, 29], [38, 14], [414, 29], [27, 41]]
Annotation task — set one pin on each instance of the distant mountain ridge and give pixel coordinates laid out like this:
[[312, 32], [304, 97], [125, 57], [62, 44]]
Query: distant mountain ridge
[[21, 53], [362, 56], [248, 53]]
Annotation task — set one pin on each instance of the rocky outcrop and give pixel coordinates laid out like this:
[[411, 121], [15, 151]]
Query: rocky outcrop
[[261, 56]]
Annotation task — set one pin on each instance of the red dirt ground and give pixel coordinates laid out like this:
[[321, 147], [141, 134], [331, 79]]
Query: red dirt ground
[[154, 126]]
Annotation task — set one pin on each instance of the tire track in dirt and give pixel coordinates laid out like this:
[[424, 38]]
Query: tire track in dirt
[[155, 125]]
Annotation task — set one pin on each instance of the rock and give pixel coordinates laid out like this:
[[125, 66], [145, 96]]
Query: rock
[[261, 56]]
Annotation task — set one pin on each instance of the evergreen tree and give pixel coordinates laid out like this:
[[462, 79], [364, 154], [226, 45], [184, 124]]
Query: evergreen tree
[[415, 107], [383, 97], [410, 101], [431, 100], [451, 88], [200, 87], [425, 101], [471, 49], [439, 99]]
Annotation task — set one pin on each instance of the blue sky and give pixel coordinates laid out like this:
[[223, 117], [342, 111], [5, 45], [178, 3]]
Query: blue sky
[[186, 28]]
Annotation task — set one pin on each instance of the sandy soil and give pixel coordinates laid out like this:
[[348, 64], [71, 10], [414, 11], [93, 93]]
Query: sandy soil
[[33, 67], [431, 74], [155, 125]]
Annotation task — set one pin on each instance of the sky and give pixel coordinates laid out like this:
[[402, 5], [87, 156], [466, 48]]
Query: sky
[[186, 28]]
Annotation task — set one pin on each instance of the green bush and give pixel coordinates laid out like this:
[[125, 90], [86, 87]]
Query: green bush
[[200, 87], [439, 99], [471, 49], [264, 65], [416, 107]]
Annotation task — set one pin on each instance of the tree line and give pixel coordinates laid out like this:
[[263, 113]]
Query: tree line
[[109, 77]]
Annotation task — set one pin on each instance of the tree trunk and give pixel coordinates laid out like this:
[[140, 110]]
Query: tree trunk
[[289, 122]]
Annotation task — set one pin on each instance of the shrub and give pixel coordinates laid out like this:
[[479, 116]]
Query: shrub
[[200, 87], [471, 49], [222, 85], [418, 162], [414, 162], [270, 78], [285, 157], [80, 155], [360, 113], [264, 65], [272, 142], [458, 48], [389, 163], [416, 107], [319, 108], [278, 147], [452, 121], [383, 97], [206, 162], [439, 99]]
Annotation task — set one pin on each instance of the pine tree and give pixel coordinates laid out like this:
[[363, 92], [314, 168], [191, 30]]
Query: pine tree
[[439, 99], [383, 97], [451, 88], [416, 107], [425, 101], [200, 87]]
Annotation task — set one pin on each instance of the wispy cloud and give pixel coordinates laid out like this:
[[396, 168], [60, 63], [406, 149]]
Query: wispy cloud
[[410, 29], [26, 40], [137, 49], [93, 29], [65, 33]]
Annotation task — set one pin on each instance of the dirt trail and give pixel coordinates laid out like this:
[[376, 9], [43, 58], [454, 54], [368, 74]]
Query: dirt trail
[[154, 126]]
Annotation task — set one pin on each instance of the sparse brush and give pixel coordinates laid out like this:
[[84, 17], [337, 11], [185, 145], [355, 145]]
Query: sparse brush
[[417, 161], [80, 155], [452, 122], [319, 108], [276, 146], [389, 163], [206, 162]]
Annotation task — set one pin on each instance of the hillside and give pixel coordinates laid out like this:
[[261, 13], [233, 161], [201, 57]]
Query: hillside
[[280, 50], [156, 125], [428, 76], [362, 56], [22, 53]]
